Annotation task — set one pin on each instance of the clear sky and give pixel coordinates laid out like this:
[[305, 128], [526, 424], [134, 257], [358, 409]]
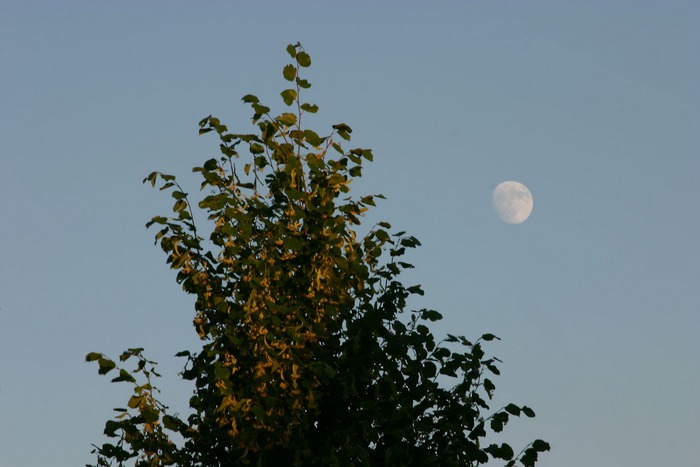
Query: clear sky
[[594, 105]]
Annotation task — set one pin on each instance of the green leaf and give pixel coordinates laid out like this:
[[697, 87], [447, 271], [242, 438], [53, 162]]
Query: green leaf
[[489, 386], [311, 108], [504, 451], [179, 205], [124, 376], [338, 148], [288, 96], [171, 423], [343, 130], [302, 83], [513, 409], [287, 119], [369, 201], [415, 289], [489, 337], [431, 315], [260, 110], [289, 72], [540, 446], [528, 411], [314, 162], [442, 353], [493, 368], [157, 220], [106, 365], [260, 162], [211, 164], [529, 458], [111, 428], [498, 421], [256, 148], [221, 372], [135, 401], [409, 242], [150, 414], [312, 138], [291, 50], [151, 178], [303, 59], [382, 235], [92, 356]]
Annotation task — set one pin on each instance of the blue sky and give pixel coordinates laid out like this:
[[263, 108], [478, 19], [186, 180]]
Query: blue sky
[[593, 105]]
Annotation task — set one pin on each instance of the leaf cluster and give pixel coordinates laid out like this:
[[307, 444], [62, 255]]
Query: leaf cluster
[[309, 354]]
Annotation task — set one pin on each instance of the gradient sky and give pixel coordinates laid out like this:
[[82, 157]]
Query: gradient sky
[[595, 106]]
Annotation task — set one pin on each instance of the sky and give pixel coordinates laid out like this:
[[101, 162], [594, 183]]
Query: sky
[[594, 106]]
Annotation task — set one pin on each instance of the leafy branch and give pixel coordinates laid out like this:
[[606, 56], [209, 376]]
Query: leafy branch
[[310, 355]]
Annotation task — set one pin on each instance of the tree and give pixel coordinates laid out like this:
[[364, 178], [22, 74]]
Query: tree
[[309, 355]]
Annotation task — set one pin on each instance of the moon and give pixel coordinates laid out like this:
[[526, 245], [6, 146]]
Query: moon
[[512, 202]]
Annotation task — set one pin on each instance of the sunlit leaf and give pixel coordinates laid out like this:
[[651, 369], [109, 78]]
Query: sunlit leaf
[[291, 50], [313, 138], [311, 108], [93, 356], [288, 96], [287, 119], [303, 59], [289, 72]]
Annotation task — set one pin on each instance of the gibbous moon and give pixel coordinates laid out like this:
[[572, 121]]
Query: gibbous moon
[[512, 202]]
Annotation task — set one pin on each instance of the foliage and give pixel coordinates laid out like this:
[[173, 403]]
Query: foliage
[[309, 356]]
